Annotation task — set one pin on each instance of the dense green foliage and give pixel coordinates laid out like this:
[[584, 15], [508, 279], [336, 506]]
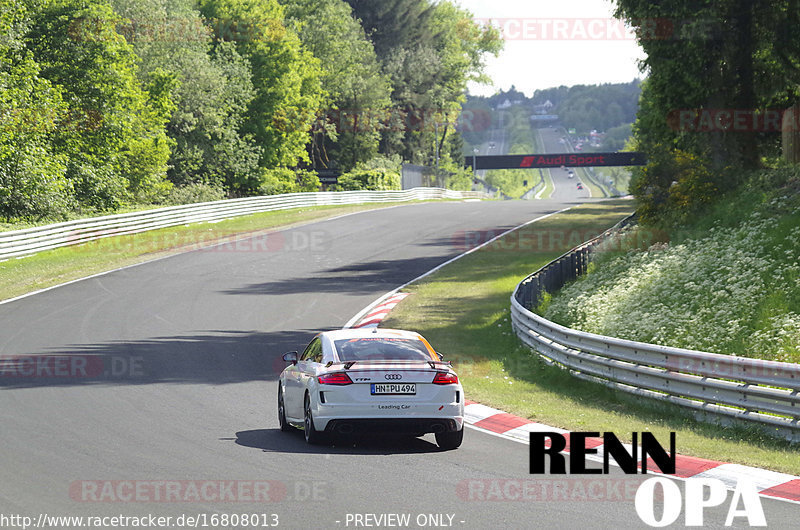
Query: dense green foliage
[[212, 91], [593, 107], [580, 107], [616, 138], [429, 51], [111, 103], [357, 89], [705, 61]]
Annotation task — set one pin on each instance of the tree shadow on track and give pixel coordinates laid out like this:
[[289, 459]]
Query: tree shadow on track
[[276, 441], [363, 278], [377, 275], [213, 357]]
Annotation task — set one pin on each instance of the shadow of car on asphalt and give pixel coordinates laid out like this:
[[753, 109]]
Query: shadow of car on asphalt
[[276, 441]]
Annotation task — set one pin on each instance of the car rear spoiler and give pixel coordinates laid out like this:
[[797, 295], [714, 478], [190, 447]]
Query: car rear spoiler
[[349, 364]]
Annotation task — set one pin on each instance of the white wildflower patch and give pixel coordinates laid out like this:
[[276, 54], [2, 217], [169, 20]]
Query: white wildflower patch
[[779, 340], [710, 294]]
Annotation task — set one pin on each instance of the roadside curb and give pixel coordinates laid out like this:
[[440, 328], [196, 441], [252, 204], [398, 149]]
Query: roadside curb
[[376, 313], [772, 484], [769, 483]]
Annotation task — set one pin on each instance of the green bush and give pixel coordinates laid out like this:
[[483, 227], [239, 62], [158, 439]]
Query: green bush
[[673, 187], [392, 163], [98, 187], [307, 180], [32, 186], [284, 180], [370, 179], [194, 193], [457, 177]]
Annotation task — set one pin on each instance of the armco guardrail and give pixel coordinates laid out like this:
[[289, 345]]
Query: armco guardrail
[[33, 240], [721, 387]]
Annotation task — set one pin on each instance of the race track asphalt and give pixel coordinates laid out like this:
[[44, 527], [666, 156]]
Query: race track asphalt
[[181, 358]]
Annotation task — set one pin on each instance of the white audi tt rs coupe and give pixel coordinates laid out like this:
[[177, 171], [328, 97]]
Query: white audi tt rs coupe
[[360, 381]]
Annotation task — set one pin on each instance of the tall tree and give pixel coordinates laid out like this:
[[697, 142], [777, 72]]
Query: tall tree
[[212, 93], [32, 173], [348, 132], [286, 78], [392, 24], [121, 151], [429, 50], [714, 56]]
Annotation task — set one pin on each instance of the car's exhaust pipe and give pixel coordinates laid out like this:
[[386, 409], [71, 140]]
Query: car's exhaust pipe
[[344, 428]]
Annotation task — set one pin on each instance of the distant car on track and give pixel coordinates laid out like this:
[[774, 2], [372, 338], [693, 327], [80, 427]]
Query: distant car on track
[[580, 186], [380, 381]]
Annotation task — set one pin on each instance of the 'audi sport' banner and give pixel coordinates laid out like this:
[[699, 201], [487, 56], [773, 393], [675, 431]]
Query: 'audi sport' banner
[[557, 160]]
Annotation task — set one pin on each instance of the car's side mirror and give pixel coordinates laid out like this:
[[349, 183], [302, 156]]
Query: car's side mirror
[[290, 357]]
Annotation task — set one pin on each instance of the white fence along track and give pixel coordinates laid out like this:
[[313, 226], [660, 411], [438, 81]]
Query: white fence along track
[[32, 240]]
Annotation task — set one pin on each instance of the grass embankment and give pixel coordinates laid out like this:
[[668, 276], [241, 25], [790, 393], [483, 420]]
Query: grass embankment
[[594, 188], [727, 285], [464, 310], [547, 191], [53, 267], [621, 177]]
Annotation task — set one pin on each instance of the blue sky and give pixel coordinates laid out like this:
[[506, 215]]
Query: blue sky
[[556, 42]]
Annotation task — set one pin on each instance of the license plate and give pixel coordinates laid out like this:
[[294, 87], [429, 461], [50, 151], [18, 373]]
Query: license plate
[[382, 389]]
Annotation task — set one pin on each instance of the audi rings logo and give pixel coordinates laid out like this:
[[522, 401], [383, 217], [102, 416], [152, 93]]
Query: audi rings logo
[[393, 377]]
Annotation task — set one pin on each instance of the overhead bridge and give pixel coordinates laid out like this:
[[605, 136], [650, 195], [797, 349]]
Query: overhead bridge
[[556, 160]]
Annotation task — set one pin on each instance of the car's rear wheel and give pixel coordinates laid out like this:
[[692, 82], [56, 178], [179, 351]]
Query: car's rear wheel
[[312, 435], [285, 427], [450, 440]]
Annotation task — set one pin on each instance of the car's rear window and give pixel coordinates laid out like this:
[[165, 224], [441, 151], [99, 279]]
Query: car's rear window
[[366, 349]]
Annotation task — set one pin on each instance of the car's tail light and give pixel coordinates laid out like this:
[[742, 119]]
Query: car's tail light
[[338, 378], [445, 378]]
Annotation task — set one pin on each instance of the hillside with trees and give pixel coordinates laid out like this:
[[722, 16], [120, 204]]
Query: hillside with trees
[[106, 104], [610, 107]]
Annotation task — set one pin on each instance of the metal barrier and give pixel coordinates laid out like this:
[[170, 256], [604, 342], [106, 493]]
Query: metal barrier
[[719, 387], [33, 240]]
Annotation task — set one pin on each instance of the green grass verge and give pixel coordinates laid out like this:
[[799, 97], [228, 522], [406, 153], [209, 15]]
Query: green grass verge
[[464, 311], [53, 267], [587, 180], [621, 177], [549, 186]]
